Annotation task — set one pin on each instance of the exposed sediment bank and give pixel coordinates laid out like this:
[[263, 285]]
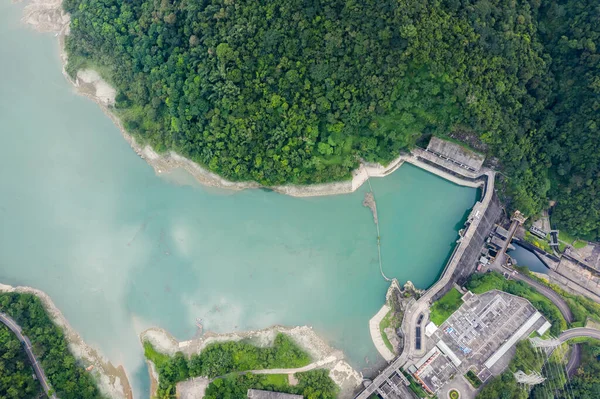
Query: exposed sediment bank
[[327, 357], [48, 16], [111, 380]]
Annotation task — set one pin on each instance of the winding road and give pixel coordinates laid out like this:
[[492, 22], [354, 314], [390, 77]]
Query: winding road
[[549, 293], [579, 332], [574, 359], [39, 372]]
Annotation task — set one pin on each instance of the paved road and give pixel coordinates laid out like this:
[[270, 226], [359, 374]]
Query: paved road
[[16, 329], [548, 293], [574, 360], [579, 332]]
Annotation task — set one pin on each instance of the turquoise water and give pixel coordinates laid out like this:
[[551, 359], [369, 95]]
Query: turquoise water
[[119, 249], [528, 258]]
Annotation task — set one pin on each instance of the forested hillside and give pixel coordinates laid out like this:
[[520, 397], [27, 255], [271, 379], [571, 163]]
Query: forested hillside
[[16, 374], [68, 379], [298, 91]]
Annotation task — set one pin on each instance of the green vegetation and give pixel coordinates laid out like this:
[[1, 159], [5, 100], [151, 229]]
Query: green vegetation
[[480, 283], [538, 242], [505, 385], [290, 91], [585, 384], [445, 306], [567, 238], [473, 379], [16, 374], [222, 358], [581, 307], [416, 387], [388, 321], [314, 384], [454, 394], [67, 377]]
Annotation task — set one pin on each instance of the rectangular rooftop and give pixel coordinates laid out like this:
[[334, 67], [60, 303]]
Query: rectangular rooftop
[[456, 153]]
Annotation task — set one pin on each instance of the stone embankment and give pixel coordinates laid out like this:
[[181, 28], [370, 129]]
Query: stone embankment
[[323, 355]]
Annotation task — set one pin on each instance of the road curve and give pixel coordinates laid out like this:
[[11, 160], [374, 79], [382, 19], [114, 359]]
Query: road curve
[[549, 293], [574, 359], [579, 332], [16, 329]]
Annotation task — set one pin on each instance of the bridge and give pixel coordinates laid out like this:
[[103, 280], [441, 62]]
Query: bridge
[[39, 372], [516, 220]]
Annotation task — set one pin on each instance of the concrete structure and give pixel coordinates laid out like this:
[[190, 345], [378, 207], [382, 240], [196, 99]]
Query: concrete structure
[[517, 220], [259, 394], [545, 327], [476, 337], [462, 263], [510, 342], [456, 153]]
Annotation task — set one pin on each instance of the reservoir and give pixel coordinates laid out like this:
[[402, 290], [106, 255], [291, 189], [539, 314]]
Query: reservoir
[[527, 258], [120, 249]]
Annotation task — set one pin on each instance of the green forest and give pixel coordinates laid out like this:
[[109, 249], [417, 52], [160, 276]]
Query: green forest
[[223, 358], [16, 374], [584, 384], [298, 91], [314, 384], [68, 378]]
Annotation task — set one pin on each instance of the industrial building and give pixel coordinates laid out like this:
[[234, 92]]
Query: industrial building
[[476, 337]]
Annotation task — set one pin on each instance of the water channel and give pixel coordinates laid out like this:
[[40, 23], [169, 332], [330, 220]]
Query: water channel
[[120, 249]]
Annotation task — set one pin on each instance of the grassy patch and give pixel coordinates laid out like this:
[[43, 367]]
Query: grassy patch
[[386, 322], [416, 387], [569, 239], [473, 379], [277, 380], [538, 242], [566, 237], [445, 306]]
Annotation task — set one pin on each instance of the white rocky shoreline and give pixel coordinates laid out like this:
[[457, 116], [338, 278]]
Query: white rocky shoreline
[[48, 16], [112, 381]]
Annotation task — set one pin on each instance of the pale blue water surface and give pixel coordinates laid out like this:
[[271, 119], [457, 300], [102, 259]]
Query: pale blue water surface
[[119, 249]]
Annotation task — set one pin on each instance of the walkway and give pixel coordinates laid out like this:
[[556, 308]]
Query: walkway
[[312, 366], [16, 329]]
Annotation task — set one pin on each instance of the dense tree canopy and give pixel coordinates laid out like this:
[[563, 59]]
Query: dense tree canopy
[[68, 378], [298, 91], [16, 374], [222, 358]]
